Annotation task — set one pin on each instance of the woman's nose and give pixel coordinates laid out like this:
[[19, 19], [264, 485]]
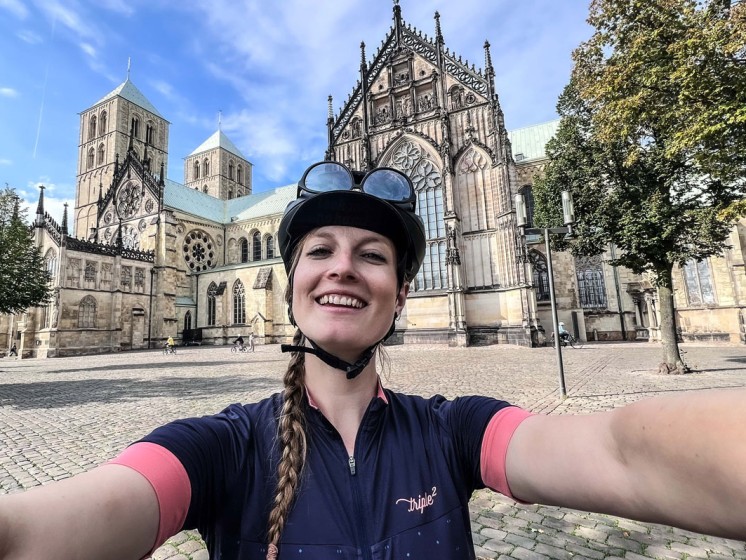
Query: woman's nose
[[343, 265]]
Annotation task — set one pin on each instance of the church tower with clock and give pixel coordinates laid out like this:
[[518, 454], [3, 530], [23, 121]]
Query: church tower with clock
[[121, 121]]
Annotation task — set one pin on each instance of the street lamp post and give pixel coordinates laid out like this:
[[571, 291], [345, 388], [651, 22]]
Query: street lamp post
[[569, 219]]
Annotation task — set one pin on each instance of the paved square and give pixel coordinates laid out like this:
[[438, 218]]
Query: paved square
[[62, 416]]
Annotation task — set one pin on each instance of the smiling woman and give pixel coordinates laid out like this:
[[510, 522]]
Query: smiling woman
[[317, 470]]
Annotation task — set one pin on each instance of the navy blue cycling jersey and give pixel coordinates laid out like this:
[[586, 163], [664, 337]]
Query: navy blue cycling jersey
[[404, 493]]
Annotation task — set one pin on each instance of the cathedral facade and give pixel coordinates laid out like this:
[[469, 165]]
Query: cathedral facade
[[148, 257]]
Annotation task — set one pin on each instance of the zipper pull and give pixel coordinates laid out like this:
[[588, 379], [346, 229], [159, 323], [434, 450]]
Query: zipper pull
[[351, 462]]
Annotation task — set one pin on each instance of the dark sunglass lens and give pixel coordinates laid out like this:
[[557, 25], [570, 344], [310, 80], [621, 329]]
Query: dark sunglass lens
[[388, 185], [328, 177]]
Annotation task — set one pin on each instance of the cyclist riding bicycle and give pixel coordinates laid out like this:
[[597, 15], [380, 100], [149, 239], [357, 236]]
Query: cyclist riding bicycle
[[563, 334], [239, 342]]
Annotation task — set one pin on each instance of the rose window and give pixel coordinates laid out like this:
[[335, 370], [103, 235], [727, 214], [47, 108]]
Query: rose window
[[426, 176], [199, 251], [406, 156]]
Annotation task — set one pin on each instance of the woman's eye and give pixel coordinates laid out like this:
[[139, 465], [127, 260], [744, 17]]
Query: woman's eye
[[374, 256], [318, 252]]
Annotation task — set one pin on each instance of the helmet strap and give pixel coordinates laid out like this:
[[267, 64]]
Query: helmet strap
[[351, 370]]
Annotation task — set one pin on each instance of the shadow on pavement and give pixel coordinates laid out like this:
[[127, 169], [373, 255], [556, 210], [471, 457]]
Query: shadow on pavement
[[59, 394], [148, 366]]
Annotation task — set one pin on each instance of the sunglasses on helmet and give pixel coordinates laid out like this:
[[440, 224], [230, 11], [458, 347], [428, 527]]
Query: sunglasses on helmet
[[385, 183]]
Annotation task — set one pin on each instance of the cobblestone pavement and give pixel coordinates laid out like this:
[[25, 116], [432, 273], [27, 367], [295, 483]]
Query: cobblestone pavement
[[62, 416]]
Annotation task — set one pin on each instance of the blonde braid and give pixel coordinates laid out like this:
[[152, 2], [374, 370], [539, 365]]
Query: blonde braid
[[292, 439]]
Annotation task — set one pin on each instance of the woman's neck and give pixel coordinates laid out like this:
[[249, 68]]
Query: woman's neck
[[342, 401]]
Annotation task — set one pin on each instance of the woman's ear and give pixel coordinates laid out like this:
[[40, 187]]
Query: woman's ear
[[401, 298]]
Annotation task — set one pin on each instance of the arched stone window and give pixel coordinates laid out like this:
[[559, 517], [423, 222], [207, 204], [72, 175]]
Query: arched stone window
[[256, 246], [412, 159], [698, 281], [135, 128], [102, 124], [188, 321], [239, 303], [91, 158], [149, 132], [231, 169], [528, 196], [244, 244], [212, 291], [239, 175], [540, 274], [92, 127], [100, 154], [269, 244], [51, 265], [230, 194], [87, 313], [206, 168], [196, 170], [591, 286]]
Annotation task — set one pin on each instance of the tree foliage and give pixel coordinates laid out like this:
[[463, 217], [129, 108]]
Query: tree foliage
[[23, 276], [652, 137]]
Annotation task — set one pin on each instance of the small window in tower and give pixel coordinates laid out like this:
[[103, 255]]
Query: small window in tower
[[196, 170], [149, 133], [230, 170], [100, 154], [135, 129], [239, 175], [92, 128], [102, 125], [91, 158], [230, 194], [206, 168]]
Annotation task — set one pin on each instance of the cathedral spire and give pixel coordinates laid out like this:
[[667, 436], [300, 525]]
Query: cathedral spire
[[40, 208], [220, 119], [129, 67], [100, 193], [397, 22], [489, 71], [438, 33], [64, 220], [329, 130]]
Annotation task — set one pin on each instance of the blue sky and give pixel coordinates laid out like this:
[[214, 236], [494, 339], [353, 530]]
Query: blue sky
[[268, 67]]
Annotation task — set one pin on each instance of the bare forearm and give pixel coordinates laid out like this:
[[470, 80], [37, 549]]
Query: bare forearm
[[685, 457]]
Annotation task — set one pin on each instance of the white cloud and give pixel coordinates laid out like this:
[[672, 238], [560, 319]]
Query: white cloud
[[88, 49], [15, 7], [5, 161], [28, 36], [8, 92], [122, 7]]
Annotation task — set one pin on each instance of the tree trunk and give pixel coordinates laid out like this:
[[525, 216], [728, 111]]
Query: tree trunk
[[672, 362]]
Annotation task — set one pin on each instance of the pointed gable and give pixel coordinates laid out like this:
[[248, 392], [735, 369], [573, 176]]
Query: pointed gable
[[218, 140], [129, 91]]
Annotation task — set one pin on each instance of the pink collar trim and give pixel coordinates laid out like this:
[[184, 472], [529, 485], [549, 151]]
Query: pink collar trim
[[380, 394]]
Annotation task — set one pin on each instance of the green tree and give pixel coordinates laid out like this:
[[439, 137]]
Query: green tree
[[645, 172], [23, 276]]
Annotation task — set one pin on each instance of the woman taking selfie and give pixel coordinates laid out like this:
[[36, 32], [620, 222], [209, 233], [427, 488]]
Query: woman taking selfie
[[338, 466]]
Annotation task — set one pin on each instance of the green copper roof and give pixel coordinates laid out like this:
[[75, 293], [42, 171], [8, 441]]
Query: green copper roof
[[192, 201], [218, 140], [529, 143], [129, 91]]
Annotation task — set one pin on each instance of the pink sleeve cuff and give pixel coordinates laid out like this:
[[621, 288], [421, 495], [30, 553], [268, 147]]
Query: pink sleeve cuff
[[495, 443], [168, 478]]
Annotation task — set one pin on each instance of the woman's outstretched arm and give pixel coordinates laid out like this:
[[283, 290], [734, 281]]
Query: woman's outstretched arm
[[677, 459], [109, 512]]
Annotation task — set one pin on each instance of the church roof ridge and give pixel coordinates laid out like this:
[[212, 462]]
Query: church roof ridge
[[131, 93], [218, 140]]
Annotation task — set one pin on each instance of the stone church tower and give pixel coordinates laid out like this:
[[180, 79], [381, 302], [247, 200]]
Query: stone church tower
[[419, 108], [122, 119], [218, 168]]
